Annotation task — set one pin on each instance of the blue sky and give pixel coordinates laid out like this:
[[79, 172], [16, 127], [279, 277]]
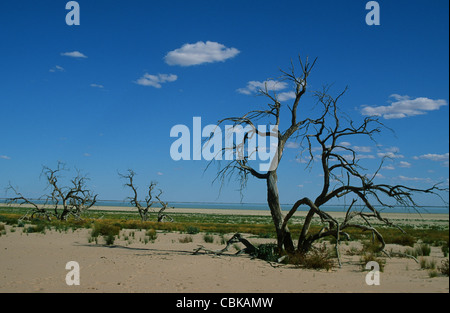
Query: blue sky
[[104, 95]]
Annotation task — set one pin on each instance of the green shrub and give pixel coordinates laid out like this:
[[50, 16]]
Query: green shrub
[[104, 229], [403, 240], [316, 259], [372, 257], [109, 239], [371, 247], [38, 228], [426, 264], [411, 252], [423, 249], [267, 252], [185, 239], [444, 250], [208, 238], [444, 267], [151, 234], [9, 220], [108, 231], [192, 230]]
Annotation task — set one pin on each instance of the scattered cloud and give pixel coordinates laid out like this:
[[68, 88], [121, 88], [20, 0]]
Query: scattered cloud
[[74, 54], [300, 186], [156, 80], [362, 149], [87, 154], [303, 160], [392, 149], [404, 164], [97, 86], [284, 96], [160, 174], [403, 106], [391, 153], [378, 175], [345, 144], [254, 87], [405, 178], [365, 156], [389, 167], [443, 158], [199, 53], [57, 68], [5, 157], [292, 145]]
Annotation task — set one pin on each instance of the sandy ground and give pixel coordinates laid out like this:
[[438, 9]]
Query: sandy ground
[[37, 263]]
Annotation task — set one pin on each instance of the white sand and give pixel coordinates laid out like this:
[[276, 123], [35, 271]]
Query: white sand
[[36, 263]]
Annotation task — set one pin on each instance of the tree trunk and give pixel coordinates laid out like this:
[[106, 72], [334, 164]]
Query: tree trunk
[[303, 244], [284, 237]]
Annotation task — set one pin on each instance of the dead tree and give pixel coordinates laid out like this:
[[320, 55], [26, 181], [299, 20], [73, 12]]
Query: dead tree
[[249, 249], [332, 161], [343, 176], [162, 216], [35, 210], [273, 115], [62, 201], [146, 208]]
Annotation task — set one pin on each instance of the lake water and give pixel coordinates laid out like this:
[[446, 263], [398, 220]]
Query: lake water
[[263, 206], [285, 207]]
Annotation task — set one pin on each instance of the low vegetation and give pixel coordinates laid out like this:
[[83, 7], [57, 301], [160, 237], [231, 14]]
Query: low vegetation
[[108, 226], [444, 268]]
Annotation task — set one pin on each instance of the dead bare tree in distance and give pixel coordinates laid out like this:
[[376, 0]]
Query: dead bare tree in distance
[[342, 174], [62, 201], [147, 207]]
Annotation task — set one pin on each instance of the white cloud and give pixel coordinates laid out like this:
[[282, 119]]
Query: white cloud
[[97, 86], [57, 68], [388, 167], [391, 152], [86, 154], [156, 80], [404, 106], [345, 144], [74, 54], [199, 53], [390, 155], [392, 149], [286, 96], [358, 156], [443, 158], [5, 157], [404, 164], [271, 85], [365, 156], [160, 174], [405, 178], [362, 149], [292, 145]]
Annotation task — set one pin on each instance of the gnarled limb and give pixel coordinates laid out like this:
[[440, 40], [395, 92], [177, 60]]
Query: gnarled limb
[[66, 201], [146, 208]]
